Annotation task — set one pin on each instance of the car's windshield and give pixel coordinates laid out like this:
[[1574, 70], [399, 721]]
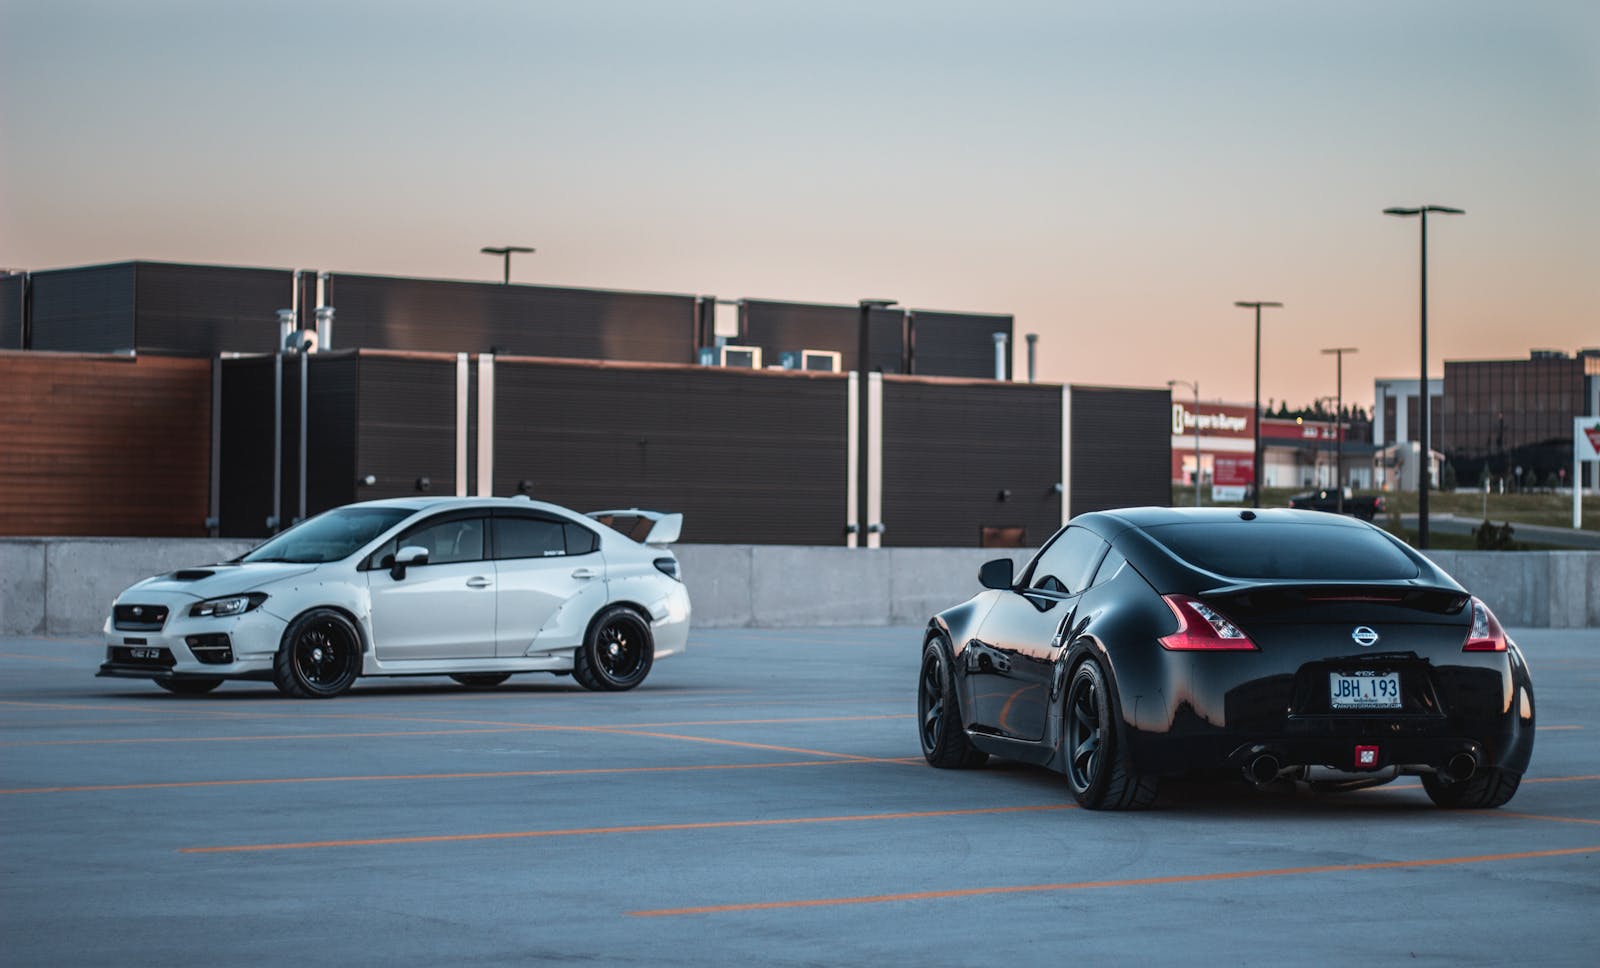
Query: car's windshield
[[330, 536], [1295, 552]]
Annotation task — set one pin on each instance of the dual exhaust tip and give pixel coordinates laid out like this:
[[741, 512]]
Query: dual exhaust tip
[[1265, 768]]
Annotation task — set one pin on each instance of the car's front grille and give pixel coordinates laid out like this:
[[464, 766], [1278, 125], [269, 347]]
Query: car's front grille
[[139, 618], [138, 655]]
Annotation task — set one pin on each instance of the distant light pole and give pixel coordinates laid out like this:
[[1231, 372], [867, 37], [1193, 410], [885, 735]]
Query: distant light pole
[[1338, 415], [1195, 386], [1255, 455], [1425, 400], [504, 251]]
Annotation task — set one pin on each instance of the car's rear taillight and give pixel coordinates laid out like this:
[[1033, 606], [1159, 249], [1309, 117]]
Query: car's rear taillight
[[1203, 628], [669, 567], [1378, 504], [1486, 634]]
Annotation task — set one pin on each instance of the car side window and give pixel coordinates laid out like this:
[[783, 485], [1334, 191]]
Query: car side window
[[580, 540], [1109, 566], [526, 536], [448, 542], [1067, 565]]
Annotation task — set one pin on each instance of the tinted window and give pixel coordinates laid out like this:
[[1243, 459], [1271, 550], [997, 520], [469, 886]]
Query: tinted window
[[1109, 566], [580, 540], [523, 537], [1299, 551], [1066, 565], [447, 542]]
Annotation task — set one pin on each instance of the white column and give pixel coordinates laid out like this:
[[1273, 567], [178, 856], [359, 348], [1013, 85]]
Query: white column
[[463, 381], [1066, 452], [852, 493], [874, 460], [486, 425]]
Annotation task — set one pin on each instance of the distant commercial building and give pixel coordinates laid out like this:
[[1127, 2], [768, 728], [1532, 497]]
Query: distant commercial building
[[1502, 415], [1396, 425], [1296, 453]]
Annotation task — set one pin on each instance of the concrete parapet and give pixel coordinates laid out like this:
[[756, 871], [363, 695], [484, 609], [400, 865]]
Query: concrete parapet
[[64, 586]]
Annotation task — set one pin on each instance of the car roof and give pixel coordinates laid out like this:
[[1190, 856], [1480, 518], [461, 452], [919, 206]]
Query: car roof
[[1149, 517]]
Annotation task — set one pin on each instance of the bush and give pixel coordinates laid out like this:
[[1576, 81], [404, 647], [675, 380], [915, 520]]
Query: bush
[[1494, 537]]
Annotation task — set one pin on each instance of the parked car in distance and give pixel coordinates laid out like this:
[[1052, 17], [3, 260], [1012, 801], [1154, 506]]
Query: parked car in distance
[[1363, 506], [1284, 646], [477, 589]]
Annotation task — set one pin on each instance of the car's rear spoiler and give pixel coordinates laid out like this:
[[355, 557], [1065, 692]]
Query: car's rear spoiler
[[645, 527]]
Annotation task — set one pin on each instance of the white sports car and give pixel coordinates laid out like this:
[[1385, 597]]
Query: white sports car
[[477, 589]]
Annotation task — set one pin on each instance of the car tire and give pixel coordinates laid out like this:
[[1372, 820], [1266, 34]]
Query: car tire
[[1098, 767], [1484, 790], [617, 653], [944, 739], [189, 686], [481, 680], [319, 657]]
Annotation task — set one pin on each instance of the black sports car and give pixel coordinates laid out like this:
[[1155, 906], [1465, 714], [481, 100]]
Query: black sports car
[[1288, 645]]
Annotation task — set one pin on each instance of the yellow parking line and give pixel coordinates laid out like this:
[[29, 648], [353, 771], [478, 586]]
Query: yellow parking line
[[402, 777], [632, 829], [1097, 885]]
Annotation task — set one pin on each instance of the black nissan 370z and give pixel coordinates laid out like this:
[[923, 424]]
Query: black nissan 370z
[[1285, 645]]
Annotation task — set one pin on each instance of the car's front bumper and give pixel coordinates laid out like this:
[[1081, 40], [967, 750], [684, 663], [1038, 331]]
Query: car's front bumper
[[185, 646]]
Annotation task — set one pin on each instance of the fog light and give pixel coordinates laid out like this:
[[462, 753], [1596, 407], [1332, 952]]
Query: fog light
[[212, 648], [1366, 757]]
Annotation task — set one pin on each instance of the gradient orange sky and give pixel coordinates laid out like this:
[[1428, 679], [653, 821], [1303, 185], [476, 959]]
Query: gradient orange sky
[[1115, 175]]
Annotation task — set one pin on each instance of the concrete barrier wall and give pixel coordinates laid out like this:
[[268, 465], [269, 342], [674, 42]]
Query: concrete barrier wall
[[64, 586]]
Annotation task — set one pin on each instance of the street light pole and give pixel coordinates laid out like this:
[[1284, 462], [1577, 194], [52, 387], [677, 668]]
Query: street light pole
[[504, 251], [1195, 386], [1338, 416], [1255, 455], [1424, 399]]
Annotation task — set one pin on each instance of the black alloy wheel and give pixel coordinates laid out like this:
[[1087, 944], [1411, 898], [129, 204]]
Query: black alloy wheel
[[944, 740], [1487, 788], [188, 686], [617, 653], [1097, 769], [320, 656], [481, 680]]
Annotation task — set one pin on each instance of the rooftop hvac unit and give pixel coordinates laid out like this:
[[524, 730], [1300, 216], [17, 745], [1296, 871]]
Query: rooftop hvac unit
[[826, 361], [747, 357]]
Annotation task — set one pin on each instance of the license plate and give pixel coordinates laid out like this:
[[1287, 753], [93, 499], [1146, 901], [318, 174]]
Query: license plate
[[1364, 690], [144, 653]]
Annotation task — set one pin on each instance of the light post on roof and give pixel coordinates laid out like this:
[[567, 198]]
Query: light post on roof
[[1255, 455], [1425, 399], [1195, 386], [504, 251], [1338, 416]]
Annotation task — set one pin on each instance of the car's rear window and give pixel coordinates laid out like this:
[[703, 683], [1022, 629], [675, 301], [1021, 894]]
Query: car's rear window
[[1298, 551]]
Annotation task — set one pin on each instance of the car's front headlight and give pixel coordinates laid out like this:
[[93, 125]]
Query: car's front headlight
[[223, 607]]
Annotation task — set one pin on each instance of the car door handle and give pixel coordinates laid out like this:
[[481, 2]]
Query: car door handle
[[585, 573], [478, 582]]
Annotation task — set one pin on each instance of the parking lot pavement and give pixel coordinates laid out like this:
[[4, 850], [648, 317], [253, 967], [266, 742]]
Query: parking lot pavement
[[760, 800]]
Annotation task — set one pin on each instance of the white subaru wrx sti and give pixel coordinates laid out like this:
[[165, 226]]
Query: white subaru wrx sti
[[478, 589]]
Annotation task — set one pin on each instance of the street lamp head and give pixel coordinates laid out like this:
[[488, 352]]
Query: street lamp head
[[504, 249], [1421, 209], [878, 303], [1259, 305], [1402, 212], [1340, 349]]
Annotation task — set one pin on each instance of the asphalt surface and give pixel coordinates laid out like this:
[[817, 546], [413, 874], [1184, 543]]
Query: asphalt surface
[[760, 800]]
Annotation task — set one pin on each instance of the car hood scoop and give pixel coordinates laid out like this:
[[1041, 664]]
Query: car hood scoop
[[223, 579]]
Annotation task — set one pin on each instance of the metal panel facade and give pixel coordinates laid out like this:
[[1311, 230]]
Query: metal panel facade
[[197, 310], [102, 445], [961, 456], [88, 310], [13, 288], [1121, 448], [956, 344], [405, 425], [439, 316], [747, 457]]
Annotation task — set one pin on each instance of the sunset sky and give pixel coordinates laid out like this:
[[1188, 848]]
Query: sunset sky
[[1115, 175]]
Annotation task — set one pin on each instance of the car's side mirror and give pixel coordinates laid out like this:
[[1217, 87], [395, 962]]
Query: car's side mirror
[[409, 555], [998, 573]]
